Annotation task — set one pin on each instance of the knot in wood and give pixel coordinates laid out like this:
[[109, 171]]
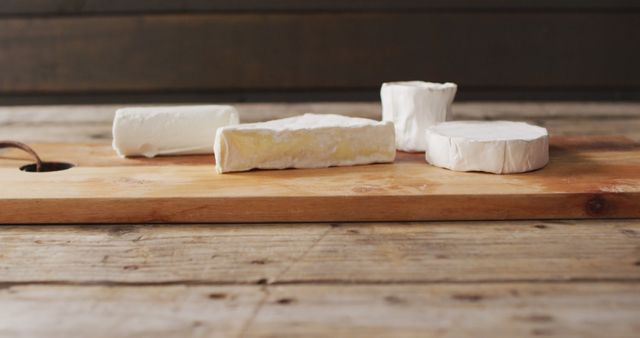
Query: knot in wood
[[596, 205]]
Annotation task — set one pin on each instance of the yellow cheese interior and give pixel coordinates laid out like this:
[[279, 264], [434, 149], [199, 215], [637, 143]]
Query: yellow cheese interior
[[301, 148]]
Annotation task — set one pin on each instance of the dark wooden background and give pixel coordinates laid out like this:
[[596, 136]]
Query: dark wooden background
[[271, 50]]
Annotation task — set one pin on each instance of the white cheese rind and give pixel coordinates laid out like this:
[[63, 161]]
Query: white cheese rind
[[307, 141], [499, 147], [177, 130], [414, 106]]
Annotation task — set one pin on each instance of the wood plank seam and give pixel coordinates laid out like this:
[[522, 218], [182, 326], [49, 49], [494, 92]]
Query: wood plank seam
[[256, 310], [302, 256], [328, 282]]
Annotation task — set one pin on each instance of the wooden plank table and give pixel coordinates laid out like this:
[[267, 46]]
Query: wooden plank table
[[565, 278]]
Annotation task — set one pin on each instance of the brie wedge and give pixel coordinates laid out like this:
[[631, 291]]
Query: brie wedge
[[178, 130], [307, 141], [414, 106], [499, 147]]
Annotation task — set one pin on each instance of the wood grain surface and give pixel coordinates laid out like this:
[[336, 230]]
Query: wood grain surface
[[92, 123], [381, 253], [506, 310], [70, 7], [557, 278], [586, 178], [314, 51]]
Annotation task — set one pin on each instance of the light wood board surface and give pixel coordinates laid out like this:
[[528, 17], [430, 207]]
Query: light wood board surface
[[459, 252], [585, 178], [504, 310], [451, 279], [555, 278]]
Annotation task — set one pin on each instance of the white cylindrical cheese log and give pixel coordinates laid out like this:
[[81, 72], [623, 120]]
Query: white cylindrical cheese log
[[177, 130], [499, 147], [413, 106]]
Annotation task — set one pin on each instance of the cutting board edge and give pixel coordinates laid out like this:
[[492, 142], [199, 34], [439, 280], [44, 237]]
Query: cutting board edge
[[321, 208]]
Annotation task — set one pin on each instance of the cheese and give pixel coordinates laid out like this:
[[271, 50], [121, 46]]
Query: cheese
[[413, 106], [307, 141], [179, 130], [499, 147]]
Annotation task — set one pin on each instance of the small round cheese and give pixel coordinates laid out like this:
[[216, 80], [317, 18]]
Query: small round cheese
[[413, 106], [499, 147]]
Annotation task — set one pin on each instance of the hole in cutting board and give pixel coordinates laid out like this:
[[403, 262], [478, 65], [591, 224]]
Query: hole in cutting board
[[47, 166]]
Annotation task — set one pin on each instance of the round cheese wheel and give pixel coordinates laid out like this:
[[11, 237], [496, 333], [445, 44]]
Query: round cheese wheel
[[499, 147]]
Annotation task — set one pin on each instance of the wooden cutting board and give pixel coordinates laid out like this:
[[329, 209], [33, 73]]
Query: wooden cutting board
[[586, 178]]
